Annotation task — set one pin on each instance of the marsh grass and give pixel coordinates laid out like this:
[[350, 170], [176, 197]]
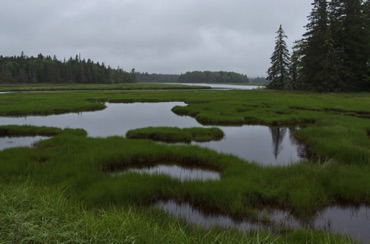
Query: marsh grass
[[28, 130], [40, 214], [85, 164], [95, 87], [339, 172], [174, 134]]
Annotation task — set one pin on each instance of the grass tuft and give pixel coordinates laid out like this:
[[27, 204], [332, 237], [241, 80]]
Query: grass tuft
[[173, 134]]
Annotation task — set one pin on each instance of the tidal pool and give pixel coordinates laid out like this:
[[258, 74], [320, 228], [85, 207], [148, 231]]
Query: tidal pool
[[27, 141], [261, 144], [350, 221], [175, 171]]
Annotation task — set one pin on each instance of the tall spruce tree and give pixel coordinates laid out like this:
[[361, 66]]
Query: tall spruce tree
[[296, 64], [318, 72], [366, 9], [278, 73], [350, 33]]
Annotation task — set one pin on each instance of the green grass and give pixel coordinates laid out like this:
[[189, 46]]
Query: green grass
[[28, 130], [173, 134], [84, 165], [40, 214], [45, 87], [335, 127]]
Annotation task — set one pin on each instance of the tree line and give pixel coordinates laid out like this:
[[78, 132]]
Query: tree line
[[212, 77], [156, 78], [47, 69], [332, 56]]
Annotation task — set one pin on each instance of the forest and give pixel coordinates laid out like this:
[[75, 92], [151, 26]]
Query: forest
[[156, 78], [332, 56], [45, 69], [212, 77]]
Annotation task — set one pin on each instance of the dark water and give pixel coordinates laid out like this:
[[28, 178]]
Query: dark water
[[264, 145], [261, 144], [196, 217], [175, 171], [354, 222], [224, 86], [9, 142]]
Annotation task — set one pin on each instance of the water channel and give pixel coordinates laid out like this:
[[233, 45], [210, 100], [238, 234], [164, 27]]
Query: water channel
[[261, 144], [351, 221]]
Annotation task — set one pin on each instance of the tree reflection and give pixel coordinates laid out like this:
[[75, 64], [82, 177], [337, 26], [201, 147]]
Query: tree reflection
[[277, 139], [301, 148]]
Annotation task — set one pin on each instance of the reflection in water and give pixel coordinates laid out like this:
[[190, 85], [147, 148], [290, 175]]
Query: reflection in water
[[277, 134], [353, 222], [256, 143], [175, 171], [196, 217], [9, 142], [251, 143]]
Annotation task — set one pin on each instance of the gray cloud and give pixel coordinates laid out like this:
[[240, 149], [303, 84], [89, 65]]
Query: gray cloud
[[163, 36]]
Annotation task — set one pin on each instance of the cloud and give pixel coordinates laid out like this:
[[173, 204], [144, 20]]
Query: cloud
[[163, 36]]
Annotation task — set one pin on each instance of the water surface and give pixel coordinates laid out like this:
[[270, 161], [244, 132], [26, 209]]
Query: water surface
[[175, 171], [268, 146], [262, 144], [27, 141], [196, 217], [223, 86], [351, 221]]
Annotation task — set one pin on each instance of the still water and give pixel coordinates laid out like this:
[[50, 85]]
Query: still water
[[351, 221], [264, 145], [174, 171], [9, 142], [224, 86]]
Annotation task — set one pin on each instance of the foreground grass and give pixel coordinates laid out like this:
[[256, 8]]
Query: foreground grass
[[172, 134], [39, 214]]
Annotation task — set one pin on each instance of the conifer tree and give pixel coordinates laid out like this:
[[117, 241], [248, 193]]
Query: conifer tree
[[318, 71], [366, 9], [296, 64], [278, 73], [350, 32]]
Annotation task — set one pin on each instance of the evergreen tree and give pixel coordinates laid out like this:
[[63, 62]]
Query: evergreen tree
[[366, 9], [318, 72], [39, 69], [278, 73], [350, 33], [296, 64]]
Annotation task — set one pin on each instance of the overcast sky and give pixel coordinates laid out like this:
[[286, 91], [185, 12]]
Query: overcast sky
[[155, 36]]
